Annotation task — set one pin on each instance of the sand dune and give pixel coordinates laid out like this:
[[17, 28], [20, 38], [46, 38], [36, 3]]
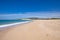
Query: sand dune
[[36, 30]]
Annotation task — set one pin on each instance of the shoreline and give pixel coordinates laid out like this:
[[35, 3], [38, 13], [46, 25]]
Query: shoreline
[[13, 24], [34, 30]]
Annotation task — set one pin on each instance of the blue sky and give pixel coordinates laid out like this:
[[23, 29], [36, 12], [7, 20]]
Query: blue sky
[[13, 9]]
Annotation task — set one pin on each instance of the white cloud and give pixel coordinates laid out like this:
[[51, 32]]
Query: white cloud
[[30, 14]]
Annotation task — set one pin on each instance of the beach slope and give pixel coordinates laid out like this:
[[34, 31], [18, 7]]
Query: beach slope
[[35, 30]]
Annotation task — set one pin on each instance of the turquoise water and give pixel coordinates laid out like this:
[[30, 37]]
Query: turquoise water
[[2, 22]]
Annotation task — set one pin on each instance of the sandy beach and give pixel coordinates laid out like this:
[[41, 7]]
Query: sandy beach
[[35, 30]]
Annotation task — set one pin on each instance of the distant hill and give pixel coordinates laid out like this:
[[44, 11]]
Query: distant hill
[[36, 18]]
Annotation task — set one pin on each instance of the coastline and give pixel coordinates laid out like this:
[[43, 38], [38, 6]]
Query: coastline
[[13, 24], [35, 30]]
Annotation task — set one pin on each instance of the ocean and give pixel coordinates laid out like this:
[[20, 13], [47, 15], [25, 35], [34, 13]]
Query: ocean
[[3, 22], [10, 23]]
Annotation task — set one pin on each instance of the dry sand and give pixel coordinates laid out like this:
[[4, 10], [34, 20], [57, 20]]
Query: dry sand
[[36, 30]]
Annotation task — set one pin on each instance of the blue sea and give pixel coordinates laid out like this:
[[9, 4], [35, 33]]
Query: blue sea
[[3, 22]]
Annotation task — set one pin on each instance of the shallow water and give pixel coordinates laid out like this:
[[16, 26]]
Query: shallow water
[[2, 22]]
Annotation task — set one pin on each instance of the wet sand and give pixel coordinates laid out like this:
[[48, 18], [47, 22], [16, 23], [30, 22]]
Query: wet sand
[[36, 30]]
